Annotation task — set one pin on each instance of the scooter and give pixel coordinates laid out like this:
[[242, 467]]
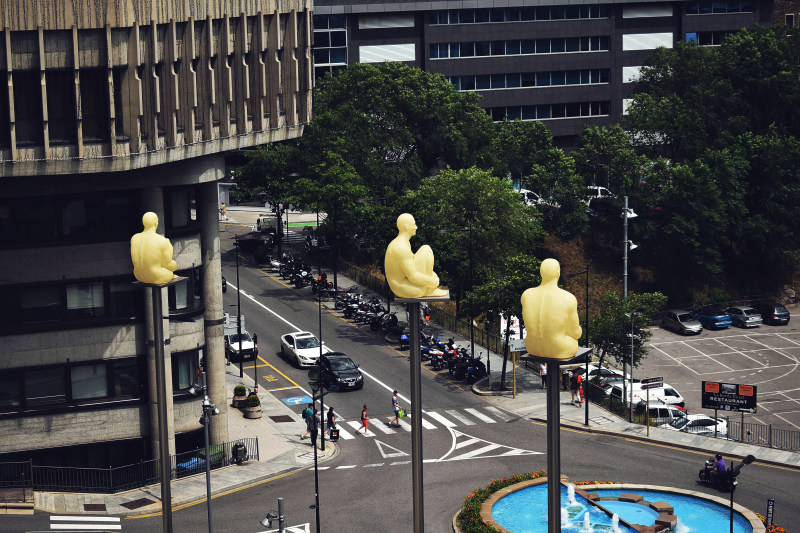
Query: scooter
[[724, 481]]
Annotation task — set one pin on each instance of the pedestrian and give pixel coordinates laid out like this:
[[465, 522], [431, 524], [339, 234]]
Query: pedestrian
[[395, 422], [574, 385], [331, 422], [307, 412], [364, 420], [543, 374], [313, 427], [580, 393]]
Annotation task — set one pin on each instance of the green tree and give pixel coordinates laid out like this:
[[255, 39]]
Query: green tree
[[517, 146], [604, 156], [555, 176], [268, 171], [611, 329]]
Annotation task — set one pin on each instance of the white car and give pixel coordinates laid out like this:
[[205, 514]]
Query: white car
[[699, 424], [302, 347]]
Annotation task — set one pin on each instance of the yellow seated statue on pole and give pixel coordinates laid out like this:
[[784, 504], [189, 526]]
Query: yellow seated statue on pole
[[551, 316], [411, 275], [151, 254]]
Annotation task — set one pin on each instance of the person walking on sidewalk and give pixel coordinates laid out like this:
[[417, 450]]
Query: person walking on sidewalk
[[574, 385], [395, 422], [307, 412], [331, 421], [543, 374], [364, 420], [313, 427]]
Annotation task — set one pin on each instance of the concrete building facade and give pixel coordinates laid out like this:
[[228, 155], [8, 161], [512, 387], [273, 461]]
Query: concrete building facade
[[110, 110], [568, 64]]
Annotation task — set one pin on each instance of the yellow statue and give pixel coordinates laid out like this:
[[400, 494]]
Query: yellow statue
[[410, 275], [551, 316], [152, 254]]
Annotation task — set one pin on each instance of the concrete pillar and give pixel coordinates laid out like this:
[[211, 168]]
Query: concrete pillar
[[152, 199], [214, 353]]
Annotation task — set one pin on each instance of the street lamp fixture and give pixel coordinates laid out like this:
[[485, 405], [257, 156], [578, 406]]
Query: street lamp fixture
[[273, 515], [632, 316], [627, 246], [209, 409], [734, 473]]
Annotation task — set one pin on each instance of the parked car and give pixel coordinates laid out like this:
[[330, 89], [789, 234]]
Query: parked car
[[712, 317], [772, 313], [666, 394], [744, 317], [681, 321], [661, 413], [595, 191], [338, 368], [302, 347], [700, 424]]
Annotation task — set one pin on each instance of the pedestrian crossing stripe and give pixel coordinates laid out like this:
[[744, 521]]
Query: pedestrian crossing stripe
[[484, 449], [85, 523]]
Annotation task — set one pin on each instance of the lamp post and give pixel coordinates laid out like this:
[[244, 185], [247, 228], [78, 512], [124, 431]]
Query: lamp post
[[209, 409], [627, 246], [239, 309], [633, 316], [272, 515], [588, 355], [734, 473]]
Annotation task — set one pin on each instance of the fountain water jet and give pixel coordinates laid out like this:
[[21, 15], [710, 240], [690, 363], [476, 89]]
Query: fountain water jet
[[564, 518], [615, 523], [571, 495], [587, 524]]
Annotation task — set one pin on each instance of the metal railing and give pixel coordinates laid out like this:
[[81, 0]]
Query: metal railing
[[117, 479]]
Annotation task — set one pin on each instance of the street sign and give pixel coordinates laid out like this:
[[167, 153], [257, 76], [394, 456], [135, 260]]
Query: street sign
[[729, 397], [516, 345], [652, 383]]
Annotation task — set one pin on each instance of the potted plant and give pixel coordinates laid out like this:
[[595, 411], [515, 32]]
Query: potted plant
[[239, 396], [253, 409]]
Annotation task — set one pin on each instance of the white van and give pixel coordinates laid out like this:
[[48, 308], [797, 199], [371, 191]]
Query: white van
[[667, 394]]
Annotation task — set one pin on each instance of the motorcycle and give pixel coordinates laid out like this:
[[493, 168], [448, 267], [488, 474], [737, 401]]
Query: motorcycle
[[301, 278], [724, 481]]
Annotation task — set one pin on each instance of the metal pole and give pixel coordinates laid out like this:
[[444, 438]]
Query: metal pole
[[630, 409], [319, 384], [589, 355], [239, 310], [416, 420], [163, 437], [471, 318], [553, 448], [316, 482], [625, 250], [206, 422], [281, 517]]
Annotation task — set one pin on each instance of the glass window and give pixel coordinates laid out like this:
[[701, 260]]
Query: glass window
[[467, 83], [182, 209], [322, 56], [62, 123], [557, 13], [498, 81], [481, 15], [543, 111], [572, 12], [467, 49], [454, 49], [558, 110], [456, 81], [746, 6], [125, 299], [514, 112], [336, 21], [691, 36], [320, 22], [28, 99], [528, 112], [322, 39], [705, 7], [466, 16], [719, 6], [603, 75], [558, 77], [40, 304], [512, 47], [528, 79], [556, 45], [497, 15], [512, 80], [338, 38], [542, 46], [498, 48], [542, 79], [45, 386], [85, 300], [9, 390], [512, 14], [180, 297], [482, 48], [483, 82], [185, 367], [528, 13], [338, 55], [573, 77], [498, 113], [692, 7], [572, 44], [89, 381], [126, 378], [94, 92], [528, 46], [542, 13]]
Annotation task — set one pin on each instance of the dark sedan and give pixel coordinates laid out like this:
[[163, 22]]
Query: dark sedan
[[338, 368], [712, 317]]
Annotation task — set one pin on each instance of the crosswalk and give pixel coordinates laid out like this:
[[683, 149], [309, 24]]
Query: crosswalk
[[85, 523], [431, 420]]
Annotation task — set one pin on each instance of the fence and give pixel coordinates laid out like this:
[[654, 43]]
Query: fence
[[117, 479]]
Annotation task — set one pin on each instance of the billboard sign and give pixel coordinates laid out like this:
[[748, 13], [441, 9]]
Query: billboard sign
[[729, 397]]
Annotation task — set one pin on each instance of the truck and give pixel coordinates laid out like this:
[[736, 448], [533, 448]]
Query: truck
[[269, 223], [249, 344]]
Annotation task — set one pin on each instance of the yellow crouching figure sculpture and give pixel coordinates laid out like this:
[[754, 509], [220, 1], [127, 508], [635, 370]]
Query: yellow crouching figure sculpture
[[151, 254], [410, 275], [551, 316]]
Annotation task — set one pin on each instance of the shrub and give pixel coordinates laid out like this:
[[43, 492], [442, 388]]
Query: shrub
[[469, 519], [253, 400], [240, 390], [770, 529]]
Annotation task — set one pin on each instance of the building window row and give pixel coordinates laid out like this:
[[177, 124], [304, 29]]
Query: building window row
[[77, 303], [708, 38], [549, 111], [330, 44], [530, 79], [509, 47], [715, 7], [516, 14], [71, 384]]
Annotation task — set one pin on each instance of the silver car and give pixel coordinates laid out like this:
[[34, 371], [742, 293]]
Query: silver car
[[744, 316], [681, 321]]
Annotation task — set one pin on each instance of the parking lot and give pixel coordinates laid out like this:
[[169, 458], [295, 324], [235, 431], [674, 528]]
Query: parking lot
[[767, 357]]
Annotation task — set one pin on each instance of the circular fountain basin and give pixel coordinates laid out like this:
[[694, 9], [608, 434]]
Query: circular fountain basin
[[632, 513]]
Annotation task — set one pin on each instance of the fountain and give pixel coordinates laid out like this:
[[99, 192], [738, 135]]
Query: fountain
[[571, 501], [564, 518], [615, 523], [680, 527], [587, 524]]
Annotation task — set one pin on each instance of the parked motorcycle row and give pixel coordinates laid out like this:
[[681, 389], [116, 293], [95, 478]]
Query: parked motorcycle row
[[298, 272]]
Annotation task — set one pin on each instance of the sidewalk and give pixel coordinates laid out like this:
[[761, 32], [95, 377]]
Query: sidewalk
[[280, 450]]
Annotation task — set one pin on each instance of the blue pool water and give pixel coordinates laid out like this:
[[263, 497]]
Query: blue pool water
[[525, 511], [632, 513]]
